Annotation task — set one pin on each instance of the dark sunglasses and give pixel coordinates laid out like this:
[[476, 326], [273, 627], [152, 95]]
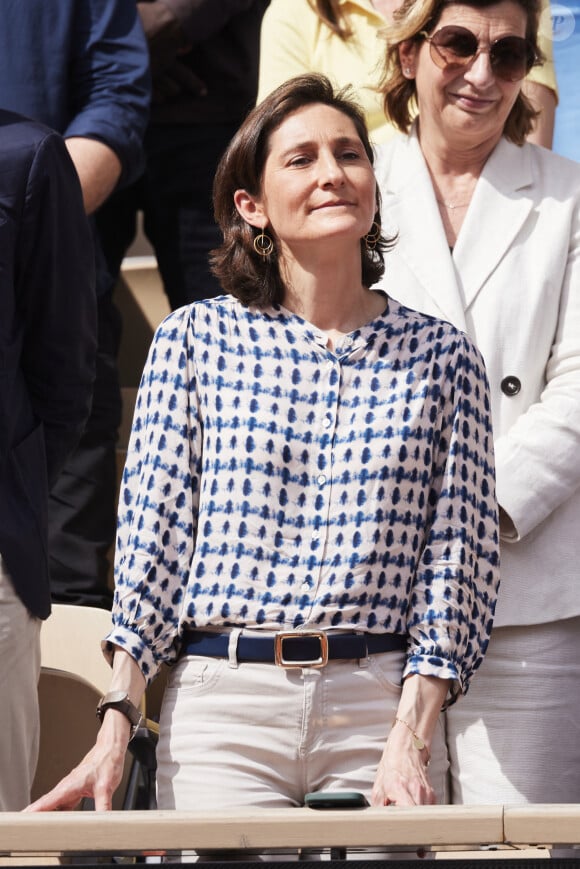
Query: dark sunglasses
[[454, 47]]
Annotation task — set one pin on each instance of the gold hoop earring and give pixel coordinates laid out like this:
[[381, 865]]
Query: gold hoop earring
[[373, 236], [263, 244]]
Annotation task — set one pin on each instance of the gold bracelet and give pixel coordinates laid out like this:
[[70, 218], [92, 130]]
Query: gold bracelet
[[419, 743]]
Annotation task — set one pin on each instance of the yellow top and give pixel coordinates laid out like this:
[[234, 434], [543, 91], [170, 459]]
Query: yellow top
[[295, 41]]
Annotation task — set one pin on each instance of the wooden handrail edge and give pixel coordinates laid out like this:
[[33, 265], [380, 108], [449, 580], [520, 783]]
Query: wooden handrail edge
[[263, 829]]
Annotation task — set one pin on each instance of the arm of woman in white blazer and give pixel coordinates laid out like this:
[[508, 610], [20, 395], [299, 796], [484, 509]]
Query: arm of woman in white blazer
[[538, 459]]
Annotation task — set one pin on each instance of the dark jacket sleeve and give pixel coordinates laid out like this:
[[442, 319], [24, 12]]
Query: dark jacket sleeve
[[55, 293], [110, 88]]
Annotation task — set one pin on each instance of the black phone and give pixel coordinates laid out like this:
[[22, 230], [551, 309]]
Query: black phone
[[336, 800]]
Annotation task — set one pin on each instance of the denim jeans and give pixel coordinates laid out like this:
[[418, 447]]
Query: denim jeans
[[257, 735]]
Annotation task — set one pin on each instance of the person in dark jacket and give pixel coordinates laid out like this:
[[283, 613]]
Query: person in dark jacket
[[47, 352], [204, 61], [82, 68]]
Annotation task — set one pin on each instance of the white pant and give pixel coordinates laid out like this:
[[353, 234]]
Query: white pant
[[19, 716], [258, 735], [515, 737]]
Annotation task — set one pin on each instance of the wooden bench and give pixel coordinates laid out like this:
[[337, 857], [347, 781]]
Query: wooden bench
[[446, 829]]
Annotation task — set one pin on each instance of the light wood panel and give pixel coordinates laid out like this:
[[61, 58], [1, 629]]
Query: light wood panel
[[550, 824], [261, 829]]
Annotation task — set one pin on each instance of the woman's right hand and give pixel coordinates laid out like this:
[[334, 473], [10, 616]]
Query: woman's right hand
[[98, 775]]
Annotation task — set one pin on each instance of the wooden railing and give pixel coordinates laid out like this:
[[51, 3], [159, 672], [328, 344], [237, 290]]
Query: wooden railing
[[429, 827]]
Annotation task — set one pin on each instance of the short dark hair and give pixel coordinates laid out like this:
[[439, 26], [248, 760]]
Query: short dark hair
[[252, 278], [415, 16]]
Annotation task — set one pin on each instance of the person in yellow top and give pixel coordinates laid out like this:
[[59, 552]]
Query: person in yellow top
[[342, 39]]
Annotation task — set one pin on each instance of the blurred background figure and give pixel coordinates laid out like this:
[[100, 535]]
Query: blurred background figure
[[47, 343], [342, 39], [489, 238], [566, 38], [204, 61], [339, 39], [82, 69]]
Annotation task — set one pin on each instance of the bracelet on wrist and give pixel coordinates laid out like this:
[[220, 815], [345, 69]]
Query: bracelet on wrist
[[418, 743]]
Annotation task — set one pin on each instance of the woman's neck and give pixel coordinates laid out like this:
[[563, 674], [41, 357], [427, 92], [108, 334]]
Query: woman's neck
[[330, 295], [454, 170], [454, 158]]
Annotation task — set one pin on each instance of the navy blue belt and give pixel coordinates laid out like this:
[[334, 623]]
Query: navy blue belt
[[293, 649]]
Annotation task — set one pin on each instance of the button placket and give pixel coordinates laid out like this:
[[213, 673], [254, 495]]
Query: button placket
[[320, 517]]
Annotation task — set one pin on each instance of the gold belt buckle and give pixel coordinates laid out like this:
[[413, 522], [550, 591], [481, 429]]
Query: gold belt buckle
[[281, 661]]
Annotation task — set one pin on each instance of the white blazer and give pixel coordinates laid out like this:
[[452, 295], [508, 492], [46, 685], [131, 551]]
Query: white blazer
[[513, 284]]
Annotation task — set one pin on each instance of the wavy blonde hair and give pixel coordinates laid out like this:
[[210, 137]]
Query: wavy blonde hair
[[399, 93]]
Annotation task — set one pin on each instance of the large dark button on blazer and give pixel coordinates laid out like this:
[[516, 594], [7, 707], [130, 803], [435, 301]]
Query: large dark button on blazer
[[511, 385]]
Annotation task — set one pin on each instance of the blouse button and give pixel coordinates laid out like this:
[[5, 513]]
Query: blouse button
[[511, 385]]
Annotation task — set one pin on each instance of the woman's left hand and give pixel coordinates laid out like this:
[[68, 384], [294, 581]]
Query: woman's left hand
[[402, 778]]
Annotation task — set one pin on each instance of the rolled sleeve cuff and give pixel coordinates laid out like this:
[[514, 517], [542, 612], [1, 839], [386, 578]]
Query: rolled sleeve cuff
[[133, 644], [421, 664], [126, 144]]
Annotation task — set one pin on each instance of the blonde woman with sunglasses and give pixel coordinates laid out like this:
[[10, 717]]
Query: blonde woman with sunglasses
[[489, 239], [343, 40]]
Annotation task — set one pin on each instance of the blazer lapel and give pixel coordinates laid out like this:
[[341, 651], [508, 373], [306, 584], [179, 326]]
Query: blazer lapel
[[497, 211], [410, 209]]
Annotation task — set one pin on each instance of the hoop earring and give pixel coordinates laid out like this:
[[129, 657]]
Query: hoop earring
[[372, 237], [263, 244]]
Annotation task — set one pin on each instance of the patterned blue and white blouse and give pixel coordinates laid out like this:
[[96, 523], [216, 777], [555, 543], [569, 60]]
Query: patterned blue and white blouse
[[275, 484]]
